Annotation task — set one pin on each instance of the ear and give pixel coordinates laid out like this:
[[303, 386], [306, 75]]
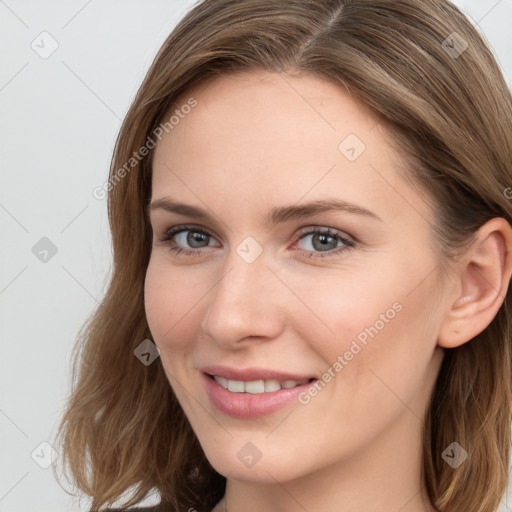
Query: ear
[[482, 278]]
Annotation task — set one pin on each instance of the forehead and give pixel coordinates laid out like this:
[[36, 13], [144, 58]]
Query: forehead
[[273, 101], [281, 135]]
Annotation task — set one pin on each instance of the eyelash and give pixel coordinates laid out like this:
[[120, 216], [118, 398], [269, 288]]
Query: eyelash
[[169, 235]]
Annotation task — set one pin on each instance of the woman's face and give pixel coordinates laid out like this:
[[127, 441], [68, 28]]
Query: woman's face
[[275, 282]]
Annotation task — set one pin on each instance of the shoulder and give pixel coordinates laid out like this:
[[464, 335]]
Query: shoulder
[[155, 508], [161, 507], [134, 509]]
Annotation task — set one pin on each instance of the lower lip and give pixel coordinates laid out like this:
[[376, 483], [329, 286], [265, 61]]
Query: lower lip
[[248, 405]]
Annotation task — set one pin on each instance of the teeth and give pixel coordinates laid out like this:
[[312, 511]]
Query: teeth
[[289, 384], [257, 386], [237, 386], [222, 381], [272, 385]]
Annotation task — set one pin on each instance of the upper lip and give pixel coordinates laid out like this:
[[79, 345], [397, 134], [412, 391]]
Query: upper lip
[[252, 373]]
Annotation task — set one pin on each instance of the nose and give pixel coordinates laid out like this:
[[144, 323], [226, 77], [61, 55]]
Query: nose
[[246, 305]]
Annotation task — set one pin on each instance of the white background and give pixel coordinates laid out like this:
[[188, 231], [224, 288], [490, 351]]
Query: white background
[[60, 117]]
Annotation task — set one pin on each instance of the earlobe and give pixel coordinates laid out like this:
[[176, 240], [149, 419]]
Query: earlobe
[[482, 281]]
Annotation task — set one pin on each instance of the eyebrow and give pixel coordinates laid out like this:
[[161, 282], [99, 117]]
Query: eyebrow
[[275, 215]]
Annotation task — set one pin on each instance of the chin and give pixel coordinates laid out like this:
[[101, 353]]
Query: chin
[[236, 464]]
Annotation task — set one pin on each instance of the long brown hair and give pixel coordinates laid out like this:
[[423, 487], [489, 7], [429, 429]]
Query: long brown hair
[[428, 74]]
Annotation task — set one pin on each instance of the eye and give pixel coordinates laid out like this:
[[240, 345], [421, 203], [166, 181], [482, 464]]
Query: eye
[[322, 242], [317, 242], [180, 236]]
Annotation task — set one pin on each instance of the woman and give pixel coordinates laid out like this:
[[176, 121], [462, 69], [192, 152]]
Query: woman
[[309, 305]]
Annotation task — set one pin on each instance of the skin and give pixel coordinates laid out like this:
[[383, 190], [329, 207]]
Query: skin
[[256, 141]]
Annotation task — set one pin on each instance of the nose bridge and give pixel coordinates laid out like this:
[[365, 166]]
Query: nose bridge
[[243, 302]]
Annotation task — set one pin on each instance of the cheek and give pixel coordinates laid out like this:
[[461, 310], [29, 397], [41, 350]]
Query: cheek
[[374, 333], [335, 310], [396, 364], [168, 298]]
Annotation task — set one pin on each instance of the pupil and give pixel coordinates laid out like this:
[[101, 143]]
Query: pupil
[[324, 240], [194, 239]]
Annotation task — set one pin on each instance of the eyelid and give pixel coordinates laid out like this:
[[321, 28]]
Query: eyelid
[[348, 242], [327, 230], [179, 228], [302, 233]]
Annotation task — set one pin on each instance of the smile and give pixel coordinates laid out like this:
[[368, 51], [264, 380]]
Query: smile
[[257, 386], [252, 398]]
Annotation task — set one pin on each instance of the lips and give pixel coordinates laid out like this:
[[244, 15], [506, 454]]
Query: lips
[[252, 392], [253, 374]]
